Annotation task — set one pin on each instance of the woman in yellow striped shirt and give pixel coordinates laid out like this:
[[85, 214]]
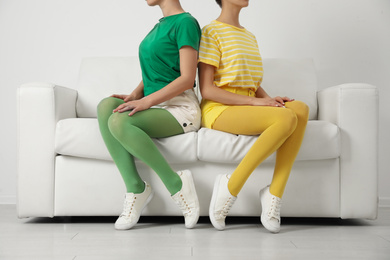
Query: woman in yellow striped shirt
[[231, 71]]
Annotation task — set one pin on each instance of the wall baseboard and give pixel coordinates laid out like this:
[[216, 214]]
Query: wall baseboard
[[7, 199], [384, 202]]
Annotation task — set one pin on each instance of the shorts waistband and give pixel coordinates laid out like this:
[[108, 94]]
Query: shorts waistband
[[240, 91]]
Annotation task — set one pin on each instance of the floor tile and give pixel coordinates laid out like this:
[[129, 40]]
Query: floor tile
[[83, 238]]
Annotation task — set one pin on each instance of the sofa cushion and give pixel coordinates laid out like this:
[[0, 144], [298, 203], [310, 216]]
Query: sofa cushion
[[321, 141], [80, 137]]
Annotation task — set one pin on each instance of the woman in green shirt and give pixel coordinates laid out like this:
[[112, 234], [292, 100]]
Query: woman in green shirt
[[164, 104]]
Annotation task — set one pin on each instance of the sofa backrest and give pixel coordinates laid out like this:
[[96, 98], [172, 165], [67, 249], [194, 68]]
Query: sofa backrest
[[101, 77], [294, 78]]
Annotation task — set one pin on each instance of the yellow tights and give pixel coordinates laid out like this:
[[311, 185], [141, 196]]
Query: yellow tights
[[280, 129]]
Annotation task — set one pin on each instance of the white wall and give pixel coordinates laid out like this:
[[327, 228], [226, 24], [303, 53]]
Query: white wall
[[44, 40]]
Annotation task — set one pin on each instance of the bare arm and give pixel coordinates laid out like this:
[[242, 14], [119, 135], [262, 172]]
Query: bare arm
[[260, 93], [137, 93], [188, 62], [211, 92]]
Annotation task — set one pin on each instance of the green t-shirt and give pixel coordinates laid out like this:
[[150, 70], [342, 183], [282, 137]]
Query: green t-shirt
[[159, 51]]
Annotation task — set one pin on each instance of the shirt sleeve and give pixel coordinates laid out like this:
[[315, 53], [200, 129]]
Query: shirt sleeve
[[209, 51], [188, 33]]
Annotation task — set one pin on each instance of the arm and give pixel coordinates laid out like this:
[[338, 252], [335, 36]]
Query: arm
[[354, 109], [211, 92], [40, 107], [188, 62], [137, 93], [260, 93]]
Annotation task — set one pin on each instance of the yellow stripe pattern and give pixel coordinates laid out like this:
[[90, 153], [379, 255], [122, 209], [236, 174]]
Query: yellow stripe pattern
[[235, 54]]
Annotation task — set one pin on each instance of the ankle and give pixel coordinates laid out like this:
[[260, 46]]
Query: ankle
[[231, 189], [136, 188], [175, 185], [277, 192]]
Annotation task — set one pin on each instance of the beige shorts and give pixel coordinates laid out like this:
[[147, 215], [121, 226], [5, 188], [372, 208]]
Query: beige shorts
[[185, 108]]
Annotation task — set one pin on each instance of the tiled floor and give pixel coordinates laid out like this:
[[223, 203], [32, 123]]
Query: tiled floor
[[96, 239]]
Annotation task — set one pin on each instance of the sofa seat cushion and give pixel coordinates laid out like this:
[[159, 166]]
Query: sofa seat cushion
[[321, 141], [80, 137]]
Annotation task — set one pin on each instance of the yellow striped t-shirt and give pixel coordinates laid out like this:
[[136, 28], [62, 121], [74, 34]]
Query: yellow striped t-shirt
[[235, 55]]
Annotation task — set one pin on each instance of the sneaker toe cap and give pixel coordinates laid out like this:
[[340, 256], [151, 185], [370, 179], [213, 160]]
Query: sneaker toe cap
[[271, 225]]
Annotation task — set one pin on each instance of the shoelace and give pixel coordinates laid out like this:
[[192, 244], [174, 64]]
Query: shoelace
[[184, 206], [225, 210], [274, 210], [128, 206]]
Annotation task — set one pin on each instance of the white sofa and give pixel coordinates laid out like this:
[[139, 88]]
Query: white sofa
[[64, 168]]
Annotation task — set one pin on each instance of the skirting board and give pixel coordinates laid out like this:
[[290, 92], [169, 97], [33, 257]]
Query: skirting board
[[7, 199], [384, 202]]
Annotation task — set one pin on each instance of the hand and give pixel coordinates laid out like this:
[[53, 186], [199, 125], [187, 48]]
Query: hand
[[124, 97], [134, 106], [282, 100], [273, 102]]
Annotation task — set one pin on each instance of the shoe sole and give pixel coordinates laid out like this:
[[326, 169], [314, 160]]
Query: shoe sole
[[262, 217], [126, 227], [212, 203], [192, 185]]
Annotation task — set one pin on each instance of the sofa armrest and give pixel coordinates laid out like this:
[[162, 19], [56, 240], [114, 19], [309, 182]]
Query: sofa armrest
[[39, 107], [354, 108]]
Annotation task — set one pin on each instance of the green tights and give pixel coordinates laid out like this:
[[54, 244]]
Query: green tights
[[127, 137]]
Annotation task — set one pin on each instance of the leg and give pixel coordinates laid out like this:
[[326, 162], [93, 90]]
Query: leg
[[131, 136], [134, 134], [274, 124], [287, 153], [122, 158]]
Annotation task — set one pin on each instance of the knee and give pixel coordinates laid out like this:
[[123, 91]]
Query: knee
[[288, 121], [121, 125], [116, 124], [300, 109], [107, 105]]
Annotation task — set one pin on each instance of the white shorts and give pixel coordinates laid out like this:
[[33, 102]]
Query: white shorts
[[185, 108]]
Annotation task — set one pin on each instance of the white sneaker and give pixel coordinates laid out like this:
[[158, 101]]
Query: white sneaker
[[270, 214], [221, 202], [132, 208], [187, 200]]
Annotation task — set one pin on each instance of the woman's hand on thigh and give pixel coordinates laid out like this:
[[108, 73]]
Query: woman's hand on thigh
[[282, 100], [134, 106], [124, 97], [268, 101]]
